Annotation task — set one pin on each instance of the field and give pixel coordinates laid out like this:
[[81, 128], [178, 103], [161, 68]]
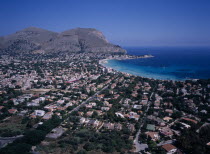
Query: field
[[12, 126]]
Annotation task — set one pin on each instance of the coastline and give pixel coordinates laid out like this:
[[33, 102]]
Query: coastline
[[125, 57], [103, 63]]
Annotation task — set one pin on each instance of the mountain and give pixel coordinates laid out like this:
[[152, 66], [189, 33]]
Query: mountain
[[32, 39]]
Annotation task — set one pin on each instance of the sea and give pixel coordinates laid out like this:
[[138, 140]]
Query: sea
[[168, 63]]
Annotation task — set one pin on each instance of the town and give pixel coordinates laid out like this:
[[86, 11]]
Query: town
[[71, 103]]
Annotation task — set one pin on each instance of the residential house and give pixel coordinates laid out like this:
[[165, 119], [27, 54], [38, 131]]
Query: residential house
[[169, 148], [56, 133], [12, 111], [47, 116], [109, 126], [39, 113], [166, 131], [118, 126], [153, 135]]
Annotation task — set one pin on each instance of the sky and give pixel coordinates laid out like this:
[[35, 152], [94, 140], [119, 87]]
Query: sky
[[123, 22]]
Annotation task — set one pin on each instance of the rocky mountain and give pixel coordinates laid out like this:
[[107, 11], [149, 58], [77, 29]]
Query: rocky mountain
[[32, 40]]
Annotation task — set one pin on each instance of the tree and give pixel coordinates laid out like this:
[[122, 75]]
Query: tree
[[88, 146], [95, 114], [176, 115], [34, 137], [82, 152], [21, 148]]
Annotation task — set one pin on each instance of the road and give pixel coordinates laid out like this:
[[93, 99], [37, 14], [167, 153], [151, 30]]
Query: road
[[87, 100], [139, 147], [6, 140], [82, 104]]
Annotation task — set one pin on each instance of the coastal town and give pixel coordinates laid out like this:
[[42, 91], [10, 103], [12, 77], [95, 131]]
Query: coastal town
[[71, 103]]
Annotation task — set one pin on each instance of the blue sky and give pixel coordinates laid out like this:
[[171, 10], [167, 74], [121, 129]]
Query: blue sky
[[124, 22]]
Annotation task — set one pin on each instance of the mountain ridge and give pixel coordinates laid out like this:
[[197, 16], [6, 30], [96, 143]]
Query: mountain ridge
[[32, 39]]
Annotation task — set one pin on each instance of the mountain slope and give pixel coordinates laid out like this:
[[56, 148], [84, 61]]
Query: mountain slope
[[76, 40]]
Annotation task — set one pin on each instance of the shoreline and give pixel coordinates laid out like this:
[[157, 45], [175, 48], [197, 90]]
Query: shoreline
[[124, 58], [102, 62]]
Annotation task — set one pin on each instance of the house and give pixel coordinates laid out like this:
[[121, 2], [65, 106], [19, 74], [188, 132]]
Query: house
[[131, 127], [60, 102], [36, 101], [109, 126], [144, 102], [81, 113], [157, 104], [118, 126], [137, 106], [47, 116], [83, 96], [93, 123], [153, 135], [61, 108], [39, 113], [82, 120], [204, 111], [119, 115], [12, 111], [1, 107], [166, 131], [18, 101], [113, 85], [89, 113], [106, 103], [41, 99], [105, 108], [169, 111], [134, 115], [99, 112], [88, 106], [185, 125], [101, 96], [190, 120], [50, 107], [167, 119], [169, 148], [93, 103], [32, 103], [68, 104], [56, 133]]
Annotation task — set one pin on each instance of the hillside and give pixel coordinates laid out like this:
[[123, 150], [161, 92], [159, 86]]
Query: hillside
[[34, 39]]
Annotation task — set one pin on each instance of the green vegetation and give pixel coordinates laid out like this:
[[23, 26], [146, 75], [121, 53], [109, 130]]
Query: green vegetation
[[31, 137]]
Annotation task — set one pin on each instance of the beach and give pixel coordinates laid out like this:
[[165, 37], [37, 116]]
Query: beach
[[164, 65]]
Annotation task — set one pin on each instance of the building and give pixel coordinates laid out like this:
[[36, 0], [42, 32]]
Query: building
[[56, 133], [166, 131], [109, 126], [153, 135], [169, 148], [12, 111], [39, 113], [47, 116]]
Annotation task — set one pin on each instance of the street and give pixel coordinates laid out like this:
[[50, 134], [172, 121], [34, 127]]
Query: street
[[139, 146]]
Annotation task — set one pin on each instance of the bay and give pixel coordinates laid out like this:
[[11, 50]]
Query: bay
[[168, 63]]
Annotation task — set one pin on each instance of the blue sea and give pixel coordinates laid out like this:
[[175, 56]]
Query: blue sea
[[168, 63]]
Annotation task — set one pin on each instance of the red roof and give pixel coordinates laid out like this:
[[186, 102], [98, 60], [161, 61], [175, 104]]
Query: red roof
[[191, 120], [168, 147], [12, 110]]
